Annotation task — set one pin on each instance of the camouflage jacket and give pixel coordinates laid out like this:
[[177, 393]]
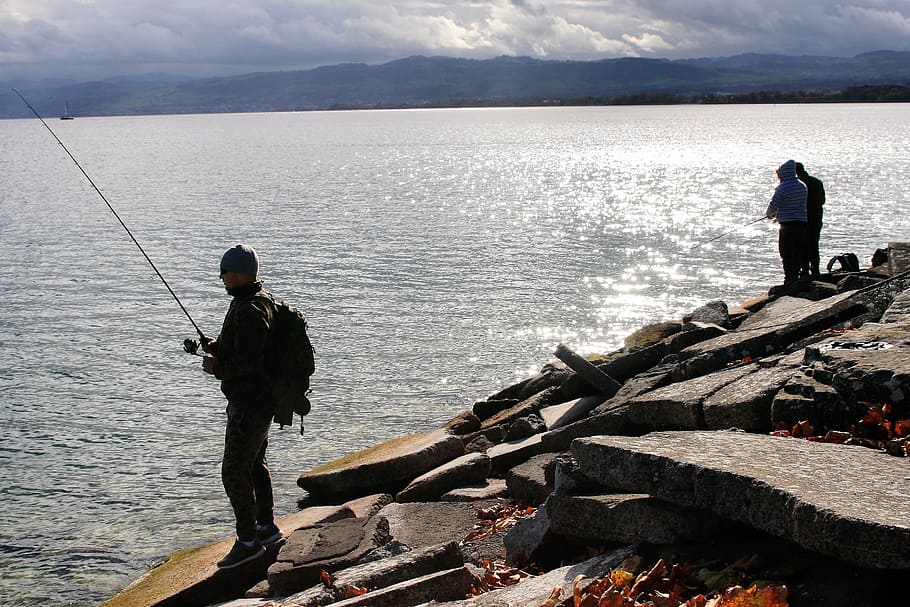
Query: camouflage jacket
[[241, 348]]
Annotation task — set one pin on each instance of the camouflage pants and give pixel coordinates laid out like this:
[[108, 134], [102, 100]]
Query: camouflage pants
[[245, 469]]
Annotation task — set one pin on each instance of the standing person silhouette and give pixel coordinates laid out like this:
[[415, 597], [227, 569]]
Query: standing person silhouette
[[788, 208], [238, 359], [815, 201]]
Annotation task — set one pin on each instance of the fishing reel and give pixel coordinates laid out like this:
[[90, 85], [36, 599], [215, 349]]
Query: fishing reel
[[191, 346]]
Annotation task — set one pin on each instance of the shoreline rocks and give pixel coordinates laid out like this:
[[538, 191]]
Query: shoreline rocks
[[688, 443]]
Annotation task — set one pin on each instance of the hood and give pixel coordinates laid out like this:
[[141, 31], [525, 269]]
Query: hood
[[787, 170]]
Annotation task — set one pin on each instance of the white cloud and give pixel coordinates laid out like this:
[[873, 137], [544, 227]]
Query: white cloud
[[221, 36]]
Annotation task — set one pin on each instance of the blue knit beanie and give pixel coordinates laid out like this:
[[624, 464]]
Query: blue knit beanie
[[242, 259]]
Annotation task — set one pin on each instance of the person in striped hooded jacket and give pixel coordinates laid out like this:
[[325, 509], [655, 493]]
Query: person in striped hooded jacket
[[788, 208]]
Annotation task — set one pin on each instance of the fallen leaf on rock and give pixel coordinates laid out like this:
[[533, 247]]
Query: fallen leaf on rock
[[496, 518], [730, 575], [767, 596], [837, 437], [661, 586], [650, 581], [621, 578], [327, 579], [878, 429], [353, 591], [499, 575], [554, 599]]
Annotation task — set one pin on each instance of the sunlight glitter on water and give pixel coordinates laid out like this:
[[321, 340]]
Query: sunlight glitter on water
[[439, 255]]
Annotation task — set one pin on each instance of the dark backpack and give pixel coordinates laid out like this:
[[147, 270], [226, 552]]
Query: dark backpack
[[848, 263], [291, 362]]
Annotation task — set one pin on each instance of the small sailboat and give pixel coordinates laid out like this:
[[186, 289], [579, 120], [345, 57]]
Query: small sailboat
[[67, 115]]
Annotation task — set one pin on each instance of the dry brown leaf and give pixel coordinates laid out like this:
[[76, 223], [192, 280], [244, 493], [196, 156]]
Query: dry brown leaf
[[651, 580], [767, 596], [353, 591], [621, 578], [554, 599], [327, 579]]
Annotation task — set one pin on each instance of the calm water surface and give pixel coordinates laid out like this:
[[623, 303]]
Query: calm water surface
[[440, 255]]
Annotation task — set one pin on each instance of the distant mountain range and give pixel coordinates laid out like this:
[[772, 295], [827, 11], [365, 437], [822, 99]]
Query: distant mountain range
[[444, 81]]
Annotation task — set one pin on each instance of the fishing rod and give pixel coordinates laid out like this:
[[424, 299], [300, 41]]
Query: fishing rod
[[701, 244], [117, 215]]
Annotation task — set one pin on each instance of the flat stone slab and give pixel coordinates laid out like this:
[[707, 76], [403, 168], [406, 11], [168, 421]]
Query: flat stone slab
[[738, 397], [899, 310], [389, 465], [612, 421], [439, 586], [509, 454], [380, 574], [491, 488], [426, 524], [630, 518], [420, 524], [330, 547], [871, 363], [467, 469], [679, 405], [746, 403], [533, 591], [530, 405], [772, 328], [557, 416], [191, 577], [527, 482], [850, 503]]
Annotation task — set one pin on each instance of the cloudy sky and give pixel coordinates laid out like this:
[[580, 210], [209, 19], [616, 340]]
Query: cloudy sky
[[98, 38]]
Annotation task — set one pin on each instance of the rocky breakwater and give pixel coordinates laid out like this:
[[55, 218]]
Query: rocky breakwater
[[755, 452]]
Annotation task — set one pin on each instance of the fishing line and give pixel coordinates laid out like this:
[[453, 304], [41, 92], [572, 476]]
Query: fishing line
[[117, 215], [701, 244]]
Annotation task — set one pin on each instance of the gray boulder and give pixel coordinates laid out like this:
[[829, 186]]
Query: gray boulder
[[713, 312], [524, 427]]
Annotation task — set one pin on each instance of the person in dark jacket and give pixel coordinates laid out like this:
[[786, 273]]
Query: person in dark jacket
[[238, 359], [788, 207], [815, 200]]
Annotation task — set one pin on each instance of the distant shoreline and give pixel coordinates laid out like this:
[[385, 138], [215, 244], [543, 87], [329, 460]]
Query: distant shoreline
[[856, 94]]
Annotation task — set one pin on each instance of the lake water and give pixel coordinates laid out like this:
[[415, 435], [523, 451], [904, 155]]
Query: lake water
[[440, 255]]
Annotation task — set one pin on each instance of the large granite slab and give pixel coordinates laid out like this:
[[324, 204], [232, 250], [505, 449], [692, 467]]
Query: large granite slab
[[871, 363], [769, 331], [746, 403], [563, 414], [899, 310], [188, 578], [847, 502], [329, 547], [527, 482], [630, 518], [386, 467], [380, 574], [679, 405], [419, 524], [464, 470], [534, 591]]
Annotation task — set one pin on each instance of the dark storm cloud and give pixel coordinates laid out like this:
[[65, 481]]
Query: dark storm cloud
[[221, 36]]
